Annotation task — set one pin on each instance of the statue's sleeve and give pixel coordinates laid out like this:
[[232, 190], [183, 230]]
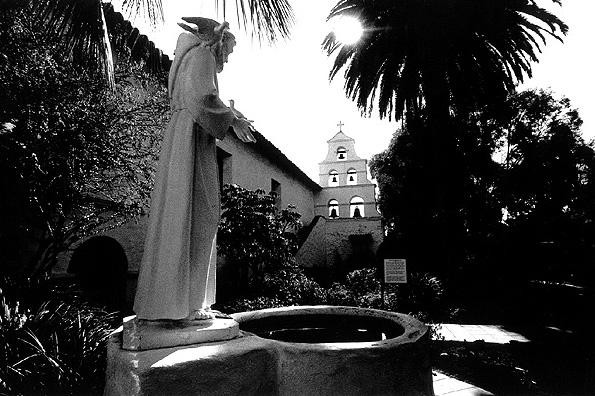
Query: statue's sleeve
[[201, 96]]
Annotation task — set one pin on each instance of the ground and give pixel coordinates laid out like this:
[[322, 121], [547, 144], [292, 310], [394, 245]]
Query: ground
[[558, 357]]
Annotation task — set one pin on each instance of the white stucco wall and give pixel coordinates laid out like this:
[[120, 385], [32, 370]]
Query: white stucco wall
[[339, 247], [344, 194], [329, 245], [249, 169], [246, 167], [313, 252]]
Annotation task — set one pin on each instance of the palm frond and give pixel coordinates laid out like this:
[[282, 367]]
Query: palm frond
[[268, 20], [80, 28], [480, 50], [150, 10]]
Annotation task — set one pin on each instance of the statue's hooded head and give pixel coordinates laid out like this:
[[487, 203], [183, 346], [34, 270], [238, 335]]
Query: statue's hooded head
[[213, 35]]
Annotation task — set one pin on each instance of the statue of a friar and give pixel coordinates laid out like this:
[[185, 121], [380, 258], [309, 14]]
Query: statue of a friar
[[177, 274]]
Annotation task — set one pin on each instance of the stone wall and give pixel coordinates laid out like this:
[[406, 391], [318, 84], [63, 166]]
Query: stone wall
[[342, 242]]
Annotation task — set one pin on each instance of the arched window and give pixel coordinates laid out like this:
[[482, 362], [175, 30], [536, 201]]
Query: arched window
[[341, 154], [333, 178], [351, 176], [356, 207], [333, 209]]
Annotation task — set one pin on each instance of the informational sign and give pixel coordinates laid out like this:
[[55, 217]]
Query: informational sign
[[395, 271]]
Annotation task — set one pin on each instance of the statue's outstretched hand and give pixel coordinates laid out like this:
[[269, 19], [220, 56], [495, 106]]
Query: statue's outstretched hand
[[242, 126], [236, 112], [243, 129]]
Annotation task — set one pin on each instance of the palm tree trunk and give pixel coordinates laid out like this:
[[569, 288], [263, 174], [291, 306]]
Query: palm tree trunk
[[445, 177]]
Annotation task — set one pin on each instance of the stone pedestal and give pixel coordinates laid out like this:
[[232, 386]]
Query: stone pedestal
[[141, 335]]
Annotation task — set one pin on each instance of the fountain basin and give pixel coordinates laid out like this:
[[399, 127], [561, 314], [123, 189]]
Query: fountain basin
[[326, 350], [320, 325], [314, 350]]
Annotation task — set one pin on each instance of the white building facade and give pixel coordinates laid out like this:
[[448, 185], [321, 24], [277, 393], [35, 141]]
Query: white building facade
[[347, 229]]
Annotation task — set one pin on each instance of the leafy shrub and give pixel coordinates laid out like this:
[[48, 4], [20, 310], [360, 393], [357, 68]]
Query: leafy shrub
[[293, 287], [362, 281], [420, 297], [339, 294], [255, 237], [54, 347], [245, 305], [284, 287], [78, 156]]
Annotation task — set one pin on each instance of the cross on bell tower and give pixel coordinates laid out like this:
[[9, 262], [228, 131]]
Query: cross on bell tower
[[340, 124]]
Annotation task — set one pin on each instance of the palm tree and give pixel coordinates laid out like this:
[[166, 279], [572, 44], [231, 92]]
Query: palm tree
[[430, 61], [444, 56], [82, 28]]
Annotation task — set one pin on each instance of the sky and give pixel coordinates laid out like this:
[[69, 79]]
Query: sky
[[285, 89]]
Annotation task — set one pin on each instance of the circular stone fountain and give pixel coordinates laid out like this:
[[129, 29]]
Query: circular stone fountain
[[325, 350], [301, 351]]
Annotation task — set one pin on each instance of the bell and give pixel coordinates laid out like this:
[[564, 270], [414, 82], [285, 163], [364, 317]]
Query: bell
[[350, 178], [334, 179], [356, 213], [334, 214]]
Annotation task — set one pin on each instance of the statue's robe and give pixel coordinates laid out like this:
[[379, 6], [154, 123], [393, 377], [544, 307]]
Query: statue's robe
[[177, 274]]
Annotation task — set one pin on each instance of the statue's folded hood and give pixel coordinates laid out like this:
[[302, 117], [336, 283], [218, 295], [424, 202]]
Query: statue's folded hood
[[207, 33]]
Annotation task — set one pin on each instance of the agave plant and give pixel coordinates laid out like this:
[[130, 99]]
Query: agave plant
[[55, 346]]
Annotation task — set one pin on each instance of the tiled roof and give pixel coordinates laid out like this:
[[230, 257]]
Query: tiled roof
[[270, 151], [123, 34]]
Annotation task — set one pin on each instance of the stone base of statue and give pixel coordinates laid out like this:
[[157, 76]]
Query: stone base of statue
[[142, 335]]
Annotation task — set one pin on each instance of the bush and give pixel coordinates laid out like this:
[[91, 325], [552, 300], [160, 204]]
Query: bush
[[421, 296], [255, 238], [284, 287], [79, 157], [56, 347], [339, 294], [245, 305], [362, 281], [293, 287]]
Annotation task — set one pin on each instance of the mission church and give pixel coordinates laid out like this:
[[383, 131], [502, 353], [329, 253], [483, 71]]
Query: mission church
[[339, 212]]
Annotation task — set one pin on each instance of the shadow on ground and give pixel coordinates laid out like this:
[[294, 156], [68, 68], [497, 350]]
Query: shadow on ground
[[558, 360], [548, 365]]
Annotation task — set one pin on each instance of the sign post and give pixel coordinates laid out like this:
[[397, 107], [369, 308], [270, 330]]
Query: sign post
[[395, 271]]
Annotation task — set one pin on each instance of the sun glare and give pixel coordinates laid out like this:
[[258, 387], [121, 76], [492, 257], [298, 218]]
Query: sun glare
[[348, 30]]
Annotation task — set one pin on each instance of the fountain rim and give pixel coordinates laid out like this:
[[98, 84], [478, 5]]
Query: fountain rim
[[413, 328]]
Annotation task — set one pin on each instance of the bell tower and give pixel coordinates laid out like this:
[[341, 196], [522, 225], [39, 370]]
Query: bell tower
[[343, 176], [348, 228]]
